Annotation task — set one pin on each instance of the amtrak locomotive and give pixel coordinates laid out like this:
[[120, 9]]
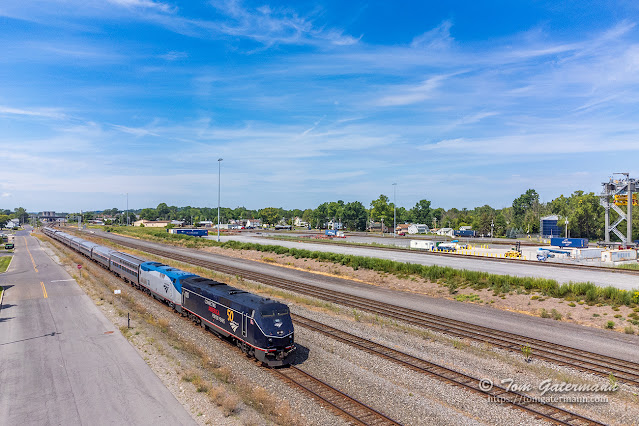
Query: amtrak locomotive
[[261, 327]]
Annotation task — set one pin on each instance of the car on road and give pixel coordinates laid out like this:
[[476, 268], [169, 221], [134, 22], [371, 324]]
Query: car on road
[[8, 246]]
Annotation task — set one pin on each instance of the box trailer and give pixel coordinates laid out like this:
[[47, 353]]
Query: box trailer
[[618, 255], [465, 233], [569, 242], [586, 253], [191, 232], [422, 245]]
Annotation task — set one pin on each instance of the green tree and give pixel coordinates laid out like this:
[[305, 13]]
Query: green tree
[[4, 219], [21, 213], [354, 216], [320, 215], [269, 215], [421, 213], [523, 204], [381, 210], [163, 211]]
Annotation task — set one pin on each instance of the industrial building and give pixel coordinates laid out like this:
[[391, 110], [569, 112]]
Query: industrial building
[[548, 227]]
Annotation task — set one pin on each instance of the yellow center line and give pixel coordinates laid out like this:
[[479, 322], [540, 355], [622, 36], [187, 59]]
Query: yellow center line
[[28, 251], [44, 290]]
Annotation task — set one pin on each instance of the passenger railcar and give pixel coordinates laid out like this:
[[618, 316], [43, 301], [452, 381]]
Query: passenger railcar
[[86, 247], [126, 266], [102, 255], [164, 282], [261, 327]]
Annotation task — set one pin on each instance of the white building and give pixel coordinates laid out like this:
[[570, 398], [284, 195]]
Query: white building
[[254, 223], [334, 225], [445, 231], [300, 223], [417, 228]]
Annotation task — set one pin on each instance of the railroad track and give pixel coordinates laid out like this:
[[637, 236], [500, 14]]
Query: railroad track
[[497, 394], [601, 365], [483, 258], [351, 409]]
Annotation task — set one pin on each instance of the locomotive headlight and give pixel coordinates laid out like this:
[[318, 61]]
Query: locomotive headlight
[[270, 340]]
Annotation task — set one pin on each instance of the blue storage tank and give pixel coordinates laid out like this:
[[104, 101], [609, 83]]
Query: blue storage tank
[[569, 242]]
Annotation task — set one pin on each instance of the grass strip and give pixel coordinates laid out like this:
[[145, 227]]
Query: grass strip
[[444, 275], [4, 263]]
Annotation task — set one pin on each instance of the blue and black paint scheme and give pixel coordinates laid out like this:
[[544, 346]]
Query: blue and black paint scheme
[[261, 327]]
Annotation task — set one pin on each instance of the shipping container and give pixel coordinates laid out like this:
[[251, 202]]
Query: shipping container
[[586, 253], [465, 233], [569, 242], [191, 232], [618, 255], [422, 245]]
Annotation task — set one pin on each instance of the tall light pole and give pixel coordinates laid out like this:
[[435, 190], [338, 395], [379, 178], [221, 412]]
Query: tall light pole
[[127, 209], [219, 184], [394, 209]]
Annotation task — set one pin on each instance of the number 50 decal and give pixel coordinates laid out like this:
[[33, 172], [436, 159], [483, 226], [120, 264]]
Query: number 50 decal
[[229, 314]]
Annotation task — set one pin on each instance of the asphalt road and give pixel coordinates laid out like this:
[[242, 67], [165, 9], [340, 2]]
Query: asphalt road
[[533, 269], [62, 362]]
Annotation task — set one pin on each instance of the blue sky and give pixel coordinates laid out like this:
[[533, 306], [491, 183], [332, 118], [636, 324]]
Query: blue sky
[[462, 103]]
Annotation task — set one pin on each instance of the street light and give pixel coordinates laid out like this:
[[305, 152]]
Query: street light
[[394, 208], [219, 184]]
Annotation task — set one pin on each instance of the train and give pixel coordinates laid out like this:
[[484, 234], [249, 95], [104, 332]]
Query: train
[[261, 327]]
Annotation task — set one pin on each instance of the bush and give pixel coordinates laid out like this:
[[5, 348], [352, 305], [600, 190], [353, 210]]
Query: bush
[[610, 325], [434, 273]]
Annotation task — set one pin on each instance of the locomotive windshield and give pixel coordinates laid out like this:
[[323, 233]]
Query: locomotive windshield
[[276, 311], [276, 318]]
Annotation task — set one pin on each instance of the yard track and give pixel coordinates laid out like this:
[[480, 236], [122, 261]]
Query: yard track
[[353, 411], [350, 409], [624, 371], [497, 394]]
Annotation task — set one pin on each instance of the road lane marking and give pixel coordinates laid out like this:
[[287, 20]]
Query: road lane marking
[[28, 251], [58, 281], [44, 290]]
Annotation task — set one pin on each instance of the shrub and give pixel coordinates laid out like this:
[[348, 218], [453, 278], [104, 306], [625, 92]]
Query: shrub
[[610, 325], [556, 315], [629, 329], [544, 314]]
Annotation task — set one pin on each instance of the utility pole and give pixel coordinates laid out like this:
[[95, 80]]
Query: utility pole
[[219, 184], [394, 209]]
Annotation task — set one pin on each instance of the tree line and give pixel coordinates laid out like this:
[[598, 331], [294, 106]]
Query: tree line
[[582, 211], [18, 213]]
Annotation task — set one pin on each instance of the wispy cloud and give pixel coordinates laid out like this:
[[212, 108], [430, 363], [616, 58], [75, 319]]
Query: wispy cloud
[[436, 39], [144, 4], [39, 112], [413, 94]]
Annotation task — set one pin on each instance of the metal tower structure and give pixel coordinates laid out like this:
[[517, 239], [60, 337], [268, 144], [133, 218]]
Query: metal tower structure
[[615, 193]]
